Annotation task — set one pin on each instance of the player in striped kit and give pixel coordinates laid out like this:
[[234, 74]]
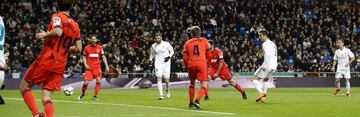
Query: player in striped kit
[[162, 51]]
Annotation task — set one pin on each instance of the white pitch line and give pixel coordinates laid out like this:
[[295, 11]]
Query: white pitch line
[[138, 106]]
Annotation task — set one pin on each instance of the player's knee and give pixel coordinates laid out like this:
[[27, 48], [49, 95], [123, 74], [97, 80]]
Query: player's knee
[[266, 79], [254, 78], [232, 82]]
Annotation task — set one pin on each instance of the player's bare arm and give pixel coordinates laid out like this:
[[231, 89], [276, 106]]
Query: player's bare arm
[[106, 64], [334, 64], [85, 62], [55, 32], [219, 68]]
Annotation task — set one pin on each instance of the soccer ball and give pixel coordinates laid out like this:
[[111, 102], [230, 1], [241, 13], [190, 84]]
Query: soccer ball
[[68, 90]]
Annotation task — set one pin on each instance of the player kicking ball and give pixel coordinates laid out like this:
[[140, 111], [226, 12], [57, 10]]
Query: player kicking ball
[[91, 59], [162, 51], [265, 71], [48, 68], [197, 58], [341, 58], [220, 69]]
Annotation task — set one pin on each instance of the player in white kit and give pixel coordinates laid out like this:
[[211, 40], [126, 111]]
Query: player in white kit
[[343, 58], [3, 65], [162, 51], [268, 67]]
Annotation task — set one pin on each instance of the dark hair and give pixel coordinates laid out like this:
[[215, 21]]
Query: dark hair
[[65, 5], [211, 42], [264, 32]]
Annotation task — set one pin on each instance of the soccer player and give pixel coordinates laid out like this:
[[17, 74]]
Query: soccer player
[[268, 67], [341, 58], [162, 51], [48, 69], [3, 65], [91, 61], [220, 69], [197, 58]]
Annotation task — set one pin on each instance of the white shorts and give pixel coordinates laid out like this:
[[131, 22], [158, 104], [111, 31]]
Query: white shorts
[[264, 73], [162, 71], [343, 74]]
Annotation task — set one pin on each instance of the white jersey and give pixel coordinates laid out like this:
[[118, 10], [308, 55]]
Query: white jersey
[[160, 52], [270, 55], [343, 56]]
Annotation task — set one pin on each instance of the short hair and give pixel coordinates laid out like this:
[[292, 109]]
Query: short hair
[[195, 31], [211, 42], [65, 5], [264, 32]]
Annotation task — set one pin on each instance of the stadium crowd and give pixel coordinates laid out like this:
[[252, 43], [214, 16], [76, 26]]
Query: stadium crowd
[[305, 31]]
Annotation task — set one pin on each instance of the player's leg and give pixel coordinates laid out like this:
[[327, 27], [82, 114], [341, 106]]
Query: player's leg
[[264, 87], [233, 83], [337, 83], [51, 83], [202, 76], [191, 92], [255, 81], [158, 73], [192, 76], [347, 77], [48, 105], [87, 78], [25, 89], [2, 78], [29, 97], [207, 90], [97, 88], [166, 76], [211, 73]]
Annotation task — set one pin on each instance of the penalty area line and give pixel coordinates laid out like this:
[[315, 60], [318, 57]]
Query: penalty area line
[[137, 106]]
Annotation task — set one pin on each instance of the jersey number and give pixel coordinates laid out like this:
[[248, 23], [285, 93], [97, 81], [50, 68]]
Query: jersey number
[[65, 42], [196, 50]]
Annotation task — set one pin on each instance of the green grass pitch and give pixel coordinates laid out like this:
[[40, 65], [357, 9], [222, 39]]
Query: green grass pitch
[[224, 102]]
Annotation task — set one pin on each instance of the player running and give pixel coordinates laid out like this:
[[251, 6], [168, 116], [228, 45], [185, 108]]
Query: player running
[[48, 69], [268, 67], [162, 51], [197, 58], [220, 69], [341, 58], [91, 61]]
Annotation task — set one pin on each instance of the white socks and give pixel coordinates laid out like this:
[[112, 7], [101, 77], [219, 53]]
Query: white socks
[[347, 86], [159, 83], [337, 84], [257, 85], [264, 87]]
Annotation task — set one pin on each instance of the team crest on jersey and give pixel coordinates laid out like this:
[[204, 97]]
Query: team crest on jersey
[[57, 21], [97, 50]]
